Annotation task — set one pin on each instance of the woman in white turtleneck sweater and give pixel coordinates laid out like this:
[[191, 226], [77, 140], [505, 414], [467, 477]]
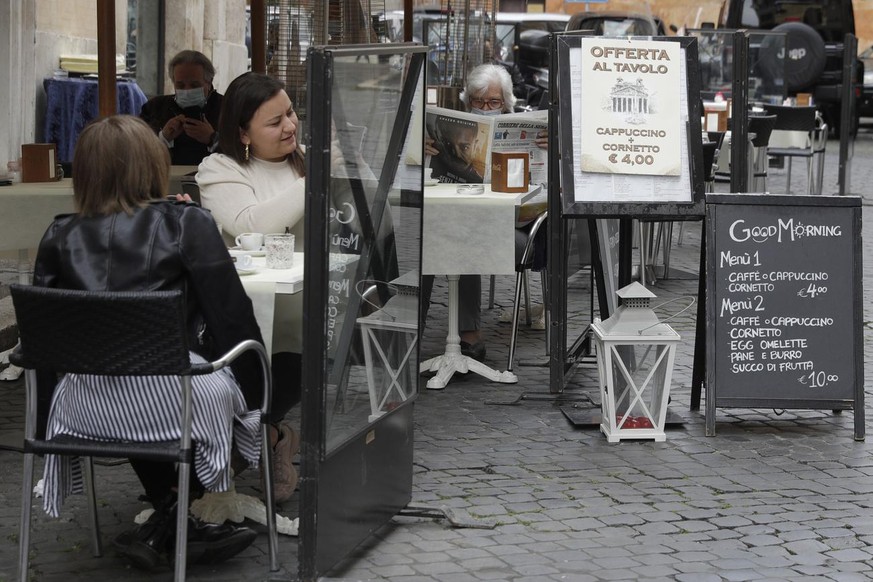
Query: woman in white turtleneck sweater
[[256, 183]]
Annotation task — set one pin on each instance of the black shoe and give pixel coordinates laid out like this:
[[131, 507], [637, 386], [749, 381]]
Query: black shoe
[[475, 351], [210, 543], [145, 545]]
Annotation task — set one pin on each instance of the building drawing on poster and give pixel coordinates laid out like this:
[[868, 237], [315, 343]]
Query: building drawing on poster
[[631, 99], [632, 118]]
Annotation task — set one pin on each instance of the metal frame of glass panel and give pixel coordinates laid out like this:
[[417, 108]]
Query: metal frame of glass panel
[[362, 260]]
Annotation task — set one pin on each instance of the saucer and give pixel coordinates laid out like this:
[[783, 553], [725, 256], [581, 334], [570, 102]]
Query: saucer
[[246, 271], [431, 182], [237, 251]]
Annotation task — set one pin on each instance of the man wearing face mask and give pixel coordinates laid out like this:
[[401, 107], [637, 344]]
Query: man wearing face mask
[[186, 121]]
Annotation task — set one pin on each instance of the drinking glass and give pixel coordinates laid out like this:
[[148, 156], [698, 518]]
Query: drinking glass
[[279, 249]]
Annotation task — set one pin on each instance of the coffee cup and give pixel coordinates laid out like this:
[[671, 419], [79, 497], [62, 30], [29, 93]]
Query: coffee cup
[[250, 241], [244, 262]]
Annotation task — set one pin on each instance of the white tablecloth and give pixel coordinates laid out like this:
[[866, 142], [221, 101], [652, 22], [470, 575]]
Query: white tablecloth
[[468, 234], [278, 303]]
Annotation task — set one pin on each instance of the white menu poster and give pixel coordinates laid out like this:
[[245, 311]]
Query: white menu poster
[[591, 186], [631, 120]]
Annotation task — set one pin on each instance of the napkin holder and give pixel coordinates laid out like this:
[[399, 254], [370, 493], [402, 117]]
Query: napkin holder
[[716, 116], [39, 162], [510, 172]]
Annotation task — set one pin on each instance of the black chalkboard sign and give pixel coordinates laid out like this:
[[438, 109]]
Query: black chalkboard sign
[[784, 306]]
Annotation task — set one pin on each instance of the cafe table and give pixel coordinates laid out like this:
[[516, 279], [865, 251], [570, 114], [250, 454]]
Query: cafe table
[[28, 208], [467, 234], [264, 287]]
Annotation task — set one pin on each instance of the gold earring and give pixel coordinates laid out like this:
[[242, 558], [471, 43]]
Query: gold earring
[[247, 152]]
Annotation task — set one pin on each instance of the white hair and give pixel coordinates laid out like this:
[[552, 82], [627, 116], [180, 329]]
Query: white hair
[[481, 78]]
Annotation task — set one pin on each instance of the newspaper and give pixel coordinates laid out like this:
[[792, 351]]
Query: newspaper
[[465, 142]]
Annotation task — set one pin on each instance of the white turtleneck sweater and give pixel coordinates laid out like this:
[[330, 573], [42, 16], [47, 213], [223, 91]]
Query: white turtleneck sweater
[[260, 196]]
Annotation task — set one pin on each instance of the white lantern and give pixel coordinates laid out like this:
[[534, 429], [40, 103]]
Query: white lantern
[[635, 355]]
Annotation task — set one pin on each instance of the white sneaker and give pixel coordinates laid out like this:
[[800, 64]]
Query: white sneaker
[[12, 372]]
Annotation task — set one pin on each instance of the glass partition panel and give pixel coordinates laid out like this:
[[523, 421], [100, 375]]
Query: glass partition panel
[[373, 242], [766, 64]]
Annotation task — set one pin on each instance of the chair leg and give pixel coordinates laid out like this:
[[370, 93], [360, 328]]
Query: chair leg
[[88, 469], [668, 243], [513, 335], [682, 227], [810, 179], [788, 179], [657, 232], [645, 230], [270, 508], [24, 526], [182, 521], [820, 177], [491, 293], [544, 279], [526, 284]]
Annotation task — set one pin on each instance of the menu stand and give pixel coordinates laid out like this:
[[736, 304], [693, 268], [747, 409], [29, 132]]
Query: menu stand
[[453, 360]]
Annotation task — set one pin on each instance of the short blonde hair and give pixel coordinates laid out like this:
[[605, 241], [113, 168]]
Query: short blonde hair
[[118, 164]]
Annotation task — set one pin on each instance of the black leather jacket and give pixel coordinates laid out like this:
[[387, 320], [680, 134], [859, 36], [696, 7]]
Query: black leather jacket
[[162, 246]]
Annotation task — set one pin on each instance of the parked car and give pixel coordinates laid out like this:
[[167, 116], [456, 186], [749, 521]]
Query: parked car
[[441, 32], [521, 39], [814, 54], [617, 24]]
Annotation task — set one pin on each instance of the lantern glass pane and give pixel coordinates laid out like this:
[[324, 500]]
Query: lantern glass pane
[[638, 384]]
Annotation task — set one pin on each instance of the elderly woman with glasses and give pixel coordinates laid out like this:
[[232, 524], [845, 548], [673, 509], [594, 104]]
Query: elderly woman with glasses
[[488, 92]]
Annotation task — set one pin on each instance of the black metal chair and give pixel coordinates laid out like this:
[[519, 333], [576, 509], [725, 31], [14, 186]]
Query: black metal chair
[[797, 119], [819, 145], [521, 268], [191, 188], [119, 334], [762, 128], [717, 137], [710, 151]]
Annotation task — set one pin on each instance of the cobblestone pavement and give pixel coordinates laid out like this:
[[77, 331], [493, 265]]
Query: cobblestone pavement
[[773, 496]]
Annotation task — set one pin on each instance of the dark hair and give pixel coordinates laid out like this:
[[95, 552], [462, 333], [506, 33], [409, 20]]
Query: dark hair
[[242, 99], [118, 164], [193, 58]]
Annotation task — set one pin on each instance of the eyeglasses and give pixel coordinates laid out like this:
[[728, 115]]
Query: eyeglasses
[[492, 103]]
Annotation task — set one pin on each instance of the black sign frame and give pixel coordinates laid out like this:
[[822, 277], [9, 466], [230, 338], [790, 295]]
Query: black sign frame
[[720, 394], [564, 43]]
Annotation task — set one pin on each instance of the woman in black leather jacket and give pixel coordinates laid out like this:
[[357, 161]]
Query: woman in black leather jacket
[[126, 236]]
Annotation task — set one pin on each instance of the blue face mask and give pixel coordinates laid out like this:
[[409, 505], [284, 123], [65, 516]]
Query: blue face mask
[[190, 98], [486, 112]]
